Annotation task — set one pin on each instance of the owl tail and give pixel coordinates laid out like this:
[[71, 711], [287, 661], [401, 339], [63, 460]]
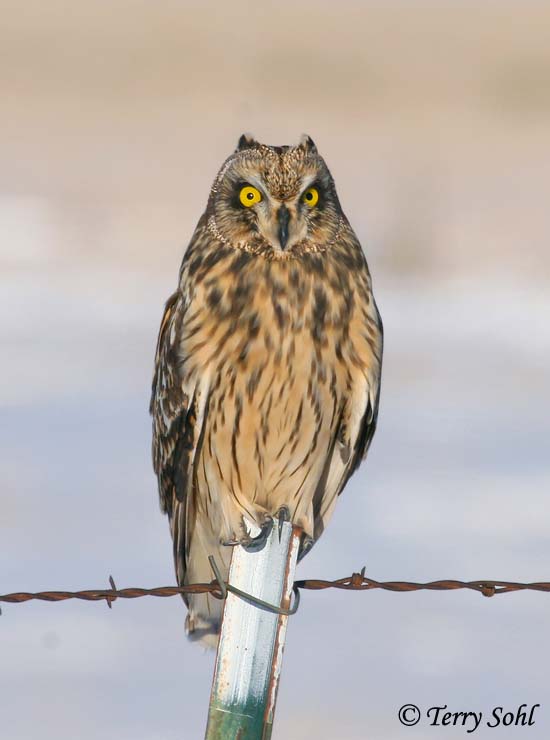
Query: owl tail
[[205, 611], [202, 623]]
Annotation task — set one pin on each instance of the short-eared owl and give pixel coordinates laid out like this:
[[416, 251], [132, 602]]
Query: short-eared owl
[[267, 371]]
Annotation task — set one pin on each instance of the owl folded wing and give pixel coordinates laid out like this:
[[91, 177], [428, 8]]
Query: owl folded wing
[[178, 409]]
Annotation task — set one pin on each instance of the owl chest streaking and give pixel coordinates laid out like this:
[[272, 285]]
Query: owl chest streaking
[[267, 376]]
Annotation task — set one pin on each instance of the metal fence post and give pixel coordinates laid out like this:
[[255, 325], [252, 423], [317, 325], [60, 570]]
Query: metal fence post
[[250, 648]]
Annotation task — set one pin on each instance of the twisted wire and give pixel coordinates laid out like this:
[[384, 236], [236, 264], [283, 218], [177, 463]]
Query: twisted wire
[[355, 582]]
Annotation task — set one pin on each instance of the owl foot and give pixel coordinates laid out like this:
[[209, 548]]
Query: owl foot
[[257, 543]]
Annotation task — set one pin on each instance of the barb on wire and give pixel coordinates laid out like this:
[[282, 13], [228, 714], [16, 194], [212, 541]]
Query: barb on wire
[[218, 589], [110, 599]]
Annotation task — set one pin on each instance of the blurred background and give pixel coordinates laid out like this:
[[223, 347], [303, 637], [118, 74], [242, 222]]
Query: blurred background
[[435, 121]]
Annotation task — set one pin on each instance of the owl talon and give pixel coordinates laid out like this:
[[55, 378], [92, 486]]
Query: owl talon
[[283, 515], [230, 543], [255, 544], [305, 546]]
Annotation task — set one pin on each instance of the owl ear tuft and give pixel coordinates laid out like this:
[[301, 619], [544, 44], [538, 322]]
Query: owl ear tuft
[[307, 143], [247, 141]]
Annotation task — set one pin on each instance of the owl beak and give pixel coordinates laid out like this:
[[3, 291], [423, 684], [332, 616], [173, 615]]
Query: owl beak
[[283, 217]]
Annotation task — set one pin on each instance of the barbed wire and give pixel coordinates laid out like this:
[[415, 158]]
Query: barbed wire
[[218, 589]]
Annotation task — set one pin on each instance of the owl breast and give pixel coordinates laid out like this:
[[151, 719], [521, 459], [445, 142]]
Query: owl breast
[[273, 344]]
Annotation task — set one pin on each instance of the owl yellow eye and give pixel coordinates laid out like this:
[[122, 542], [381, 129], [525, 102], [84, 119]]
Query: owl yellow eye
[[249, 196], [311, 197]]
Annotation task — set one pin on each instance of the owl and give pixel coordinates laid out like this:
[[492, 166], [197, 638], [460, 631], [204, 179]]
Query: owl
[[267, 371]]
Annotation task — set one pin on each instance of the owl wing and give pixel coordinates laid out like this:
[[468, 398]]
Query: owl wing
[[353, 435], [362, 421], [178, 410]]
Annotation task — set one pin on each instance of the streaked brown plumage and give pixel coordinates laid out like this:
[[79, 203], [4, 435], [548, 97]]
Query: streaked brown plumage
[[267, 372]]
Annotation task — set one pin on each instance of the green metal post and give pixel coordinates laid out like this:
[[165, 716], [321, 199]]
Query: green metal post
[[250, 648]]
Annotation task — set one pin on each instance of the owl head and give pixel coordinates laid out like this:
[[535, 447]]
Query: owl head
[[275, 200]]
